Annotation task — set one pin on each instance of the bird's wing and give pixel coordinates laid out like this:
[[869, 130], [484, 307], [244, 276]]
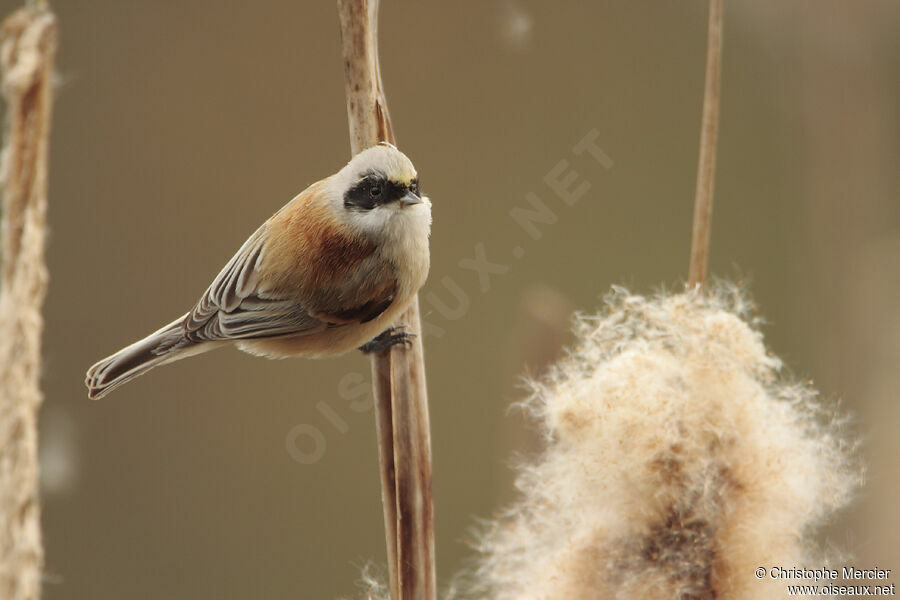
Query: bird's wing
[[234, 307]]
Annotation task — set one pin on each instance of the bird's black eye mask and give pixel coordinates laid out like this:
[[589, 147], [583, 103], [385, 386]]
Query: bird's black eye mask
[[374, 189]]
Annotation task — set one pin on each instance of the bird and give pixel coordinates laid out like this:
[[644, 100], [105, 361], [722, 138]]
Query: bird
[[331, 271]]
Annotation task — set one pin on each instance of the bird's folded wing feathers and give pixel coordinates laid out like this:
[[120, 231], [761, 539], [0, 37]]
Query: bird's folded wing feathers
[[234, 308]]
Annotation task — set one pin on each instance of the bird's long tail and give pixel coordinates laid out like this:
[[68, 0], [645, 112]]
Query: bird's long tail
[[160, 347]]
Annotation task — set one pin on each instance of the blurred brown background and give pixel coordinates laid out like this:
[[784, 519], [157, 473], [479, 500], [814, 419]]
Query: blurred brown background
[[179, 127]]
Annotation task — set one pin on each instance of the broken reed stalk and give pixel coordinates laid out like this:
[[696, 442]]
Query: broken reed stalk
[[27, 48], [401, 400], [709, 129]]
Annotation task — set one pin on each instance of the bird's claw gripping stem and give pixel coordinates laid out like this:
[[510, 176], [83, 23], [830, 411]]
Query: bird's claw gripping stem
[[387, 338]]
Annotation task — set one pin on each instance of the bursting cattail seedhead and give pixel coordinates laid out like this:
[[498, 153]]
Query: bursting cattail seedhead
[[679, 460]]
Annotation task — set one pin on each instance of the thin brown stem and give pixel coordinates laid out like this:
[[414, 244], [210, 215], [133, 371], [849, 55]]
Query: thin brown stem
[[27, 49], [401, 399], [709, 129]]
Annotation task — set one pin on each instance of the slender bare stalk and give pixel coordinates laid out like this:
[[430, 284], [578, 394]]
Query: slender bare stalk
[[27, 51], [401, 399], [709, 130]]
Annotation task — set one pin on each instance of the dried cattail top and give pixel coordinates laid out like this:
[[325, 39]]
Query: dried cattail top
[[678, 461]]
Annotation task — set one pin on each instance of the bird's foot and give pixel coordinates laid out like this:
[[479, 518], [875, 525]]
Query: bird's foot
[[387, 338]]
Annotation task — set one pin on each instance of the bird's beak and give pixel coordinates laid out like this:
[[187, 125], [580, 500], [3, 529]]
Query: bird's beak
[[409, 199]]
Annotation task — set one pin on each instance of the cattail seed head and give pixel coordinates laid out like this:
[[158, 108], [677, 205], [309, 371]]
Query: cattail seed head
[[678, 461]]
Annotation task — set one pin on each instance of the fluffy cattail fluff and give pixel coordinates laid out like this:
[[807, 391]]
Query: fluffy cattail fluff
[[678, 461], [372, 584]]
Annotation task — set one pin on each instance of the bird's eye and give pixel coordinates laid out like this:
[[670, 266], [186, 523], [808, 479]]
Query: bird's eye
[[374, 191]]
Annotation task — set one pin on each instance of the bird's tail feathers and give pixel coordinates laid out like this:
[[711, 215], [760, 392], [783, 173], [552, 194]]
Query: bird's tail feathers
[[160, 347]]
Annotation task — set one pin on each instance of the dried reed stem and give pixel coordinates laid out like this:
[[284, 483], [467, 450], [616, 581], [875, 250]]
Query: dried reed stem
[[709, 129], [401, 400], [27, 49]]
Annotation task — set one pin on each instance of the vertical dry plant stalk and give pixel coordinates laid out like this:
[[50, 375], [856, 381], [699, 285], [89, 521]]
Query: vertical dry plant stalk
[[709, 130], [27, 50], [401, 399]]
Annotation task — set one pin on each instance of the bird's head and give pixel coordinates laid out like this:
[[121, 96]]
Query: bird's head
[[379, 191]]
